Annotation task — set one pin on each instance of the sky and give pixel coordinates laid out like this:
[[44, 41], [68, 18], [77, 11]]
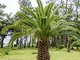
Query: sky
[[13, 6]]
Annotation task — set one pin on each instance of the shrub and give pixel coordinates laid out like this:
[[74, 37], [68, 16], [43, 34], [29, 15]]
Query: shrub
[[60, 46], [6, 53]]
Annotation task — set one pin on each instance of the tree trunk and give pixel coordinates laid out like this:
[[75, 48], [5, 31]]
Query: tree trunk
[[21, 42], [53, 44], [25, 41], [77, 47], [43, 53], [29, 42], [32, 42], [37, 44], [77, 11], [66, 7], [68, 46], [2, 41], [65, 41], [17, 43]]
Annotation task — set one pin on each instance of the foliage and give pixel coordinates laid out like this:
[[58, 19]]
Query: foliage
[[43, 22]]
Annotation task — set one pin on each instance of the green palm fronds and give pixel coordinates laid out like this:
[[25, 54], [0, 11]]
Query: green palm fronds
[[41, 22]]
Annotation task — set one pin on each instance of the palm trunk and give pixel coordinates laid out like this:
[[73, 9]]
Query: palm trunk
[[43, 53]]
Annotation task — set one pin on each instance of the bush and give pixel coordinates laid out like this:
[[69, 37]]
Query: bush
[[34, 53], [6, 53], [60, 46]]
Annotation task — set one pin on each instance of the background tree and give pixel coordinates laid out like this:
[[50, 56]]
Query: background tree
[[2, 23]]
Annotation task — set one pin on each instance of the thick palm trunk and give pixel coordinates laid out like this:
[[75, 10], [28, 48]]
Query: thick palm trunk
[[43, 53]]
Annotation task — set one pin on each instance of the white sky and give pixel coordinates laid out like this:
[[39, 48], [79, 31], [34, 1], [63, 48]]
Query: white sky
[[13, 6]]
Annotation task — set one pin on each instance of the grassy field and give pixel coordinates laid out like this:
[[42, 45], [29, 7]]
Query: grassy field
[[30, 54]]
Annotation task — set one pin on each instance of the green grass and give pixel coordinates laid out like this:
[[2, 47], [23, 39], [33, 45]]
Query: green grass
[[30, 54]]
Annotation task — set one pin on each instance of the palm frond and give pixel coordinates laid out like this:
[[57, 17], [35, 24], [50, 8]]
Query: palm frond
[[40, 5], [65, 16], [29, 11], [15, 36], [48, 9], [5, 29]]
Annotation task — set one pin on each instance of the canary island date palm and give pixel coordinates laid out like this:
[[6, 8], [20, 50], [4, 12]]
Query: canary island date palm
[[42, 23]]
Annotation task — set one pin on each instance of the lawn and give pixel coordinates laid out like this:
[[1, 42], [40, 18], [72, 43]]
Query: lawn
[[31, 54]]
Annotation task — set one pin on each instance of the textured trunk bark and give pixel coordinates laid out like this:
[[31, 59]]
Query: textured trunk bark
[[43, 53]]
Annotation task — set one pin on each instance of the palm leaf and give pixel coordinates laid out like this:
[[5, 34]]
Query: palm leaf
[[29, 11], [40, 5], [15, 36]]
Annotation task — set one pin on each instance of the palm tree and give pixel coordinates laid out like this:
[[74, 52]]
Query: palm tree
[[42, 23]]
